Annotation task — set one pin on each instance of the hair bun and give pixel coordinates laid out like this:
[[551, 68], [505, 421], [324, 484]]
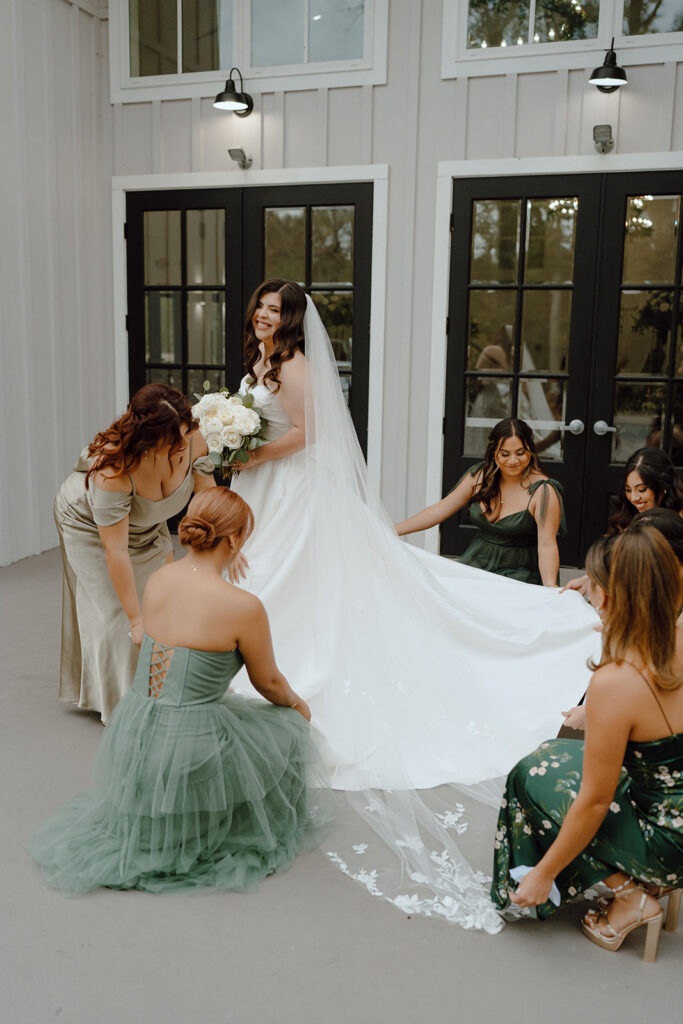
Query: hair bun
[[196, 532]]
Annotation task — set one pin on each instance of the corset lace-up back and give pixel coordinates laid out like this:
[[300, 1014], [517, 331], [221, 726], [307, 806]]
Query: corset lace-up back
[[159, 663]]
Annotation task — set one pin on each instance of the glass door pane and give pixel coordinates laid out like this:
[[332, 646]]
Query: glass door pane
[[522, 283], [636, 393]]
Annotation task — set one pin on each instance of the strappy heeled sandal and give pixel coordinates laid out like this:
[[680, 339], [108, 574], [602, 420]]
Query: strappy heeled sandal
[[595, 923]]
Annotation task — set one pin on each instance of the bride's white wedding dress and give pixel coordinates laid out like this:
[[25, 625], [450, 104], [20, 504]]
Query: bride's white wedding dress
[[419, 671]]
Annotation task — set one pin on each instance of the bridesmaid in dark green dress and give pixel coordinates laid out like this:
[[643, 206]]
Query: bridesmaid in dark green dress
[[611, 809], [517, 508]]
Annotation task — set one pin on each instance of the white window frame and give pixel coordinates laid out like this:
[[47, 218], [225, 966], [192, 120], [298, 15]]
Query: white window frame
[[370, 70], [459, 62]]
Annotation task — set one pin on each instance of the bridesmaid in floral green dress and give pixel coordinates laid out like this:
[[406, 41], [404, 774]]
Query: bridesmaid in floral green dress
[[517, 508], [610, 810]]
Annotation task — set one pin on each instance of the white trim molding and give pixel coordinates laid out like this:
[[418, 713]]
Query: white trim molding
[[458, 61], [371, 69], [447, 172], [377, 174]]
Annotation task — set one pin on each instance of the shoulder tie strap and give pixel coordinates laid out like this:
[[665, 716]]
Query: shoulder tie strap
[[659, 703]]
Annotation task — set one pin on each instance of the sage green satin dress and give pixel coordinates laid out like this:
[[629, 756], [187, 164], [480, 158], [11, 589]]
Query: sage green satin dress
[[193, 786], [509, 547], [98, 659]]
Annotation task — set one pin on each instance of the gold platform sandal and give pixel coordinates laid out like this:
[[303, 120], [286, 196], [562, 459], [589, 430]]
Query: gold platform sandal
[[595, 921]]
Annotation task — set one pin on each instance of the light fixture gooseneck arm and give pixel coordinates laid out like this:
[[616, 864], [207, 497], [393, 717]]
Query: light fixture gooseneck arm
[[242, 80]]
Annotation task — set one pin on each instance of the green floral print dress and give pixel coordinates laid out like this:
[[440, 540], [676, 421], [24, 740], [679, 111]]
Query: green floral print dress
[[642, 833]]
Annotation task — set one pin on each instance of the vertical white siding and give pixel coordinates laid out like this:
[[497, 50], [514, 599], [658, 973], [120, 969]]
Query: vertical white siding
[[62, 141], [55, 266]]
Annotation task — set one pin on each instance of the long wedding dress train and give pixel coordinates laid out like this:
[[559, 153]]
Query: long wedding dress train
[[419, 671]]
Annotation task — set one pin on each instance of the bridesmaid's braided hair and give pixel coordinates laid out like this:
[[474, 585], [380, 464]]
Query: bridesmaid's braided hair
[[212, 515], [152, 420], [289, 336], [488, 490]]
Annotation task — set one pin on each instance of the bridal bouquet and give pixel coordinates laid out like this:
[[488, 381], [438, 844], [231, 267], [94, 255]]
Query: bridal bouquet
[[231, 426]]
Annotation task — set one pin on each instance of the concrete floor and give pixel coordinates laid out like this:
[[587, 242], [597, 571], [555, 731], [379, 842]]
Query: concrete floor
[[309, 947]]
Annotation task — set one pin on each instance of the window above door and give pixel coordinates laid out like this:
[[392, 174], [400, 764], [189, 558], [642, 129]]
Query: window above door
[[177, 49], [491, 37]]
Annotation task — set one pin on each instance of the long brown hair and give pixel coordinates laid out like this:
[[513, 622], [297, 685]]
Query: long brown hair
[[599, 560], [644, 600], [489, 488], [288, 338], [657, 471], [213, 514], [152, 420]]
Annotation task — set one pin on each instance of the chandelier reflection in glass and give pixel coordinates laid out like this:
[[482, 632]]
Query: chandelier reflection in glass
[[502, 23], [564, 207], [638, 220]]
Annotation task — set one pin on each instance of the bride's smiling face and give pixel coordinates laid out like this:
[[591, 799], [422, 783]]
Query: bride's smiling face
[[267, 316]]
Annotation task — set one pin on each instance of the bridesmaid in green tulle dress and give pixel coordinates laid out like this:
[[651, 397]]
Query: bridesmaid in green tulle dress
[[610, 810], [194, 787], [517, 508]]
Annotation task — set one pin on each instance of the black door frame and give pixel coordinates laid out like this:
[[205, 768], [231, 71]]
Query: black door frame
[[602, 476], [456, 532], [244, 206]]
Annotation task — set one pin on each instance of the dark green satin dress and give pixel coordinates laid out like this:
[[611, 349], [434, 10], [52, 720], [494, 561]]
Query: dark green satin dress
[[642, 834], [509, 547]]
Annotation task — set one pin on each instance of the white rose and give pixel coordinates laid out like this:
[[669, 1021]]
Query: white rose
[[212, 425], [213, 442], [226, 416], [247, 420], [207, 405], [254, 420], [231, 437], [235, 400]]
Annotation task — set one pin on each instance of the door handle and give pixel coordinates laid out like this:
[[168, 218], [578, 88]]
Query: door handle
[[574, 427], [600, 428]]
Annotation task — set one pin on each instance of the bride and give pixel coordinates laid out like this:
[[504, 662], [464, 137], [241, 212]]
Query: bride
[[418, 671]]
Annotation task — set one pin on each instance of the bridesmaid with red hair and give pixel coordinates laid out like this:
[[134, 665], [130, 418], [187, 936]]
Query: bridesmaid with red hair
[[111, 515]]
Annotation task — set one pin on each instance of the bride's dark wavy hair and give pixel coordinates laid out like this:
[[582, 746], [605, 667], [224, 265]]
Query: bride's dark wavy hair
[[289, 336], [152, 420], [489, 487], [657, 471]]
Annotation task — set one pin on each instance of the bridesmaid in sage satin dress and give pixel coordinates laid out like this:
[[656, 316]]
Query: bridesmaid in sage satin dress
[[111, 515]]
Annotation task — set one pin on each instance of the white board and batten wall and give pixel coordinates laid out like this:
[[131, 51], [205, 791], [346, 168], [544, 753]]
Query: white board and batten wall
[[67, 144]]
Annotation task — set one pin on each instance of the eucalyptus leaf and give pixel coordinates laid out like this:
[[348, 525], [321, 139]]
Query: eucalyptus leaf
[[242, 455], [216, 458], [247, 401]]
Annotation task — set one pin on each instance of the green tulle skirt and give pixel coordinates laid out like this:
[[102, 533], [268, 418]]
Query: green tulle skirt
[[217, 794]]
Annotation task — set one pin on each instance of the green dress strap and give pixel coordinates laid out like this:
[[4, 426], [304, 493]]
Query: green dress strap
[[472, 471], [559, 491]]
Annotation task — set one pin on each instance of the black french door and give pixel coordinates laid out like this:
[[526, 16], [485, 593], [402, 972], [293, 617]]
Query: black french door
[[565, 311], [636, 396], [195, 256]]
